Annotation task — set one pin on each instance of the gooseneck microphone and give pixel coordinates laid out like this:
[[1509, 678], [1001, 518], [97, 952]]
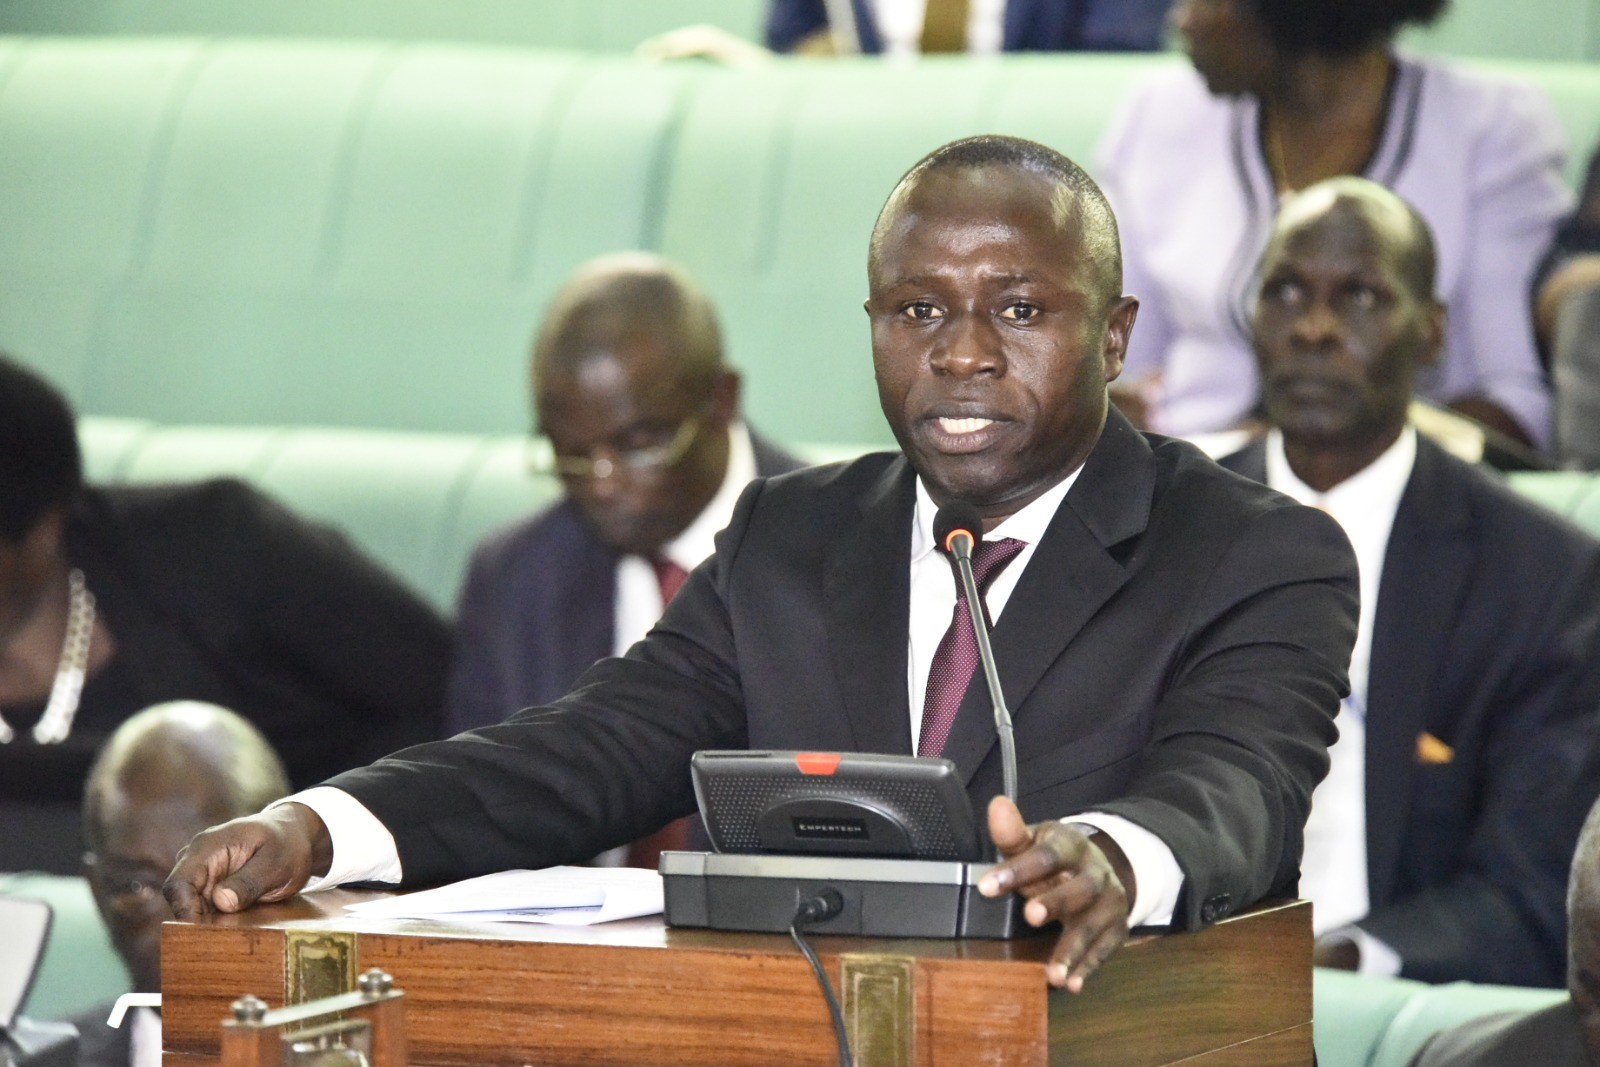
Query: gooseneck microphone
[[958, 528]]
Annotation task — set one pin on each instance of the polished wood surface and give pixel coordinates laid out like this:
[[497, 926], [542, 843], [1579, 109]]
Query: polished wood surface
[[637, 993]]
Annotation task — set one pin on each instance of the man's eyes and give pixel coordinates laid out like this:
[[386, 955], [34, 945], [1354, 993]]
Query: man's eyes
[[1021, 311], [1282, 291], [920, 311]]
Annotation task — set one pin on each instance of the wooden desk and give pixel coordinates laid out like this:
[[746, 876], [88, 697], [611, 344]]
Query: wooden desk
[[635, 993]]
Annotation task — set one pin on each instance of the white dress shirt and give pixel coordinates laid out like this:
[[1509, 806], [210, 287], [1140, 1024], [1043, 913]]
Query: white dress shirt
[[638, 592], [1334, 870], [363, 850], [144, 1042], [899, 24]]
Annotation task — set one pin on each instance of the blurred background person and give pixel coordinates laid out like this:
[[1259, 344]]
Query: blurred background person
[[165, 774], [1567, 314], [116, 598], [641, 417], [911, 27], [1438, 844], [1285, 93]]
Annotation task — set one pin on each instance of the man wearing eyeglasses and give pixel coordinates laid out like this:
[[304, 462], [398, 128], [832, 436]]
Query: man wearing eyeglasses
[[639, 418], [165, 774]]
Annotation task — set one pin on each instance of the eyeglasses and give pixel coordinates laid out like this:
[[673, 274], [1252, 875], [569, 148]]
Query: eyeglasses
[[544, 459], [125, 888]]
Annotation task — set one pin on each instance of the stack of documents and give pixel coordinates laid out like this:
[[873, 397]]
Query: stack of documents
[[566, 896]]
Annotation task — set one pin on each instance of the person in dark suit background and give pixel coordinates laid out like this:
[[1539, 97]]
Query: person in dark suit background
[[1438, 844], [640, 414], [163, 776], [1565, 1034], [819, 27], [1173, 638]]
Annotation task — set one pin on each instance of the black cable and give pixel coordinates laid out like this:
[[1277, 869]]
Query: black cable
[[823, 906]]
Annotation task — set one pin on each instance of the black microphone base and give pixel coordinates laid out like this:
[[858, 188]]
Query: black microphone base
[[882, 897]]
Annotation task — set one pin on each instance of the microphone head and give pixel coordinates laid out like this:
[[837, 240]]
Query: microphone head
[[957, 517]]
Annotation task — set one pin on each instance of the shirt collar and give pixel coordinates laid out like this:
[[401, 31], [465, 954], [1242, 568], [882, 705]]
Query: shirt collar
[[1027, 525], [1377, 485], [696, 542]]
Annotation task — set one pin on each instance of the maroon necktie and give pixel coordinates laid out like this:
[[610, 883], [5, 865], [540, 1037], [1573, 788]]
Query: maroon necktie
[[646, 852], [957, 656]]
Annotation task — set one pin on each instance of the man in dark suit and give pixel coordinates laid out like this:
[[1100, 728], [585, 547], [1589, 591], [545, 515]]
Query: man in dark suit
[[641, 416], [165, 774], [1438, 844], [849, 26], [1172, 638]]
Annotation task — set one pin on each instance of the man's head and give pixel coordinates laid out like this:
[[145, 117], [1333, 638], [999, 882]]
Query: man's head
[[630, 387], [1583, 931], [41, 470], [1345, 317], [166, 774], [995, 282]]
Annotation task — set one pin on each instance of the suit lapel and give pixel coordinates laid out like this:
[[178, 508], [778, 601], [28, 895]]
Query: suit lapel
[[866, 592], [1429, 546], [1070, 575]]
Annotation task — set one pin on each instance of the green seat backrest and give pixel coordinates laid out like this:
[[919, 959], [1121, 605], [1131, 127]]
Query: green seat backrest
[[1350, 1014], [1436, 1008], [593, 25], [277, 232], [1574, 494], [80, 969]]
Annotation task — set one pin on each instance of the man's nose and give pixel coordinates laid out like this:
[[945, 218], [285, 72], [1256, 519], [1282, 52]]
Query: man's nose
[[1317, 324], [968, 346]]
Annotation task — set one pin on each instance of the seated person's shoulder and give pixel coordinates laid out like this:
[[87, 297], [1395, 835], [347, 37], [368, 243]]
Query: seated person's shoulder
[[1550, 1037]]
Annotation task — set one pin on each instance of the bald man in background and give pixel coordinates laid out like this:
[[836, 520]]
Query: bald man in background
[[641, 414], [165, 774]]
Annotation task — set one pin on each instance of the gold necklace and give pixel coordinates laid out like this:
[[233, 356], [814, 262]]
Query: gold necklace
[[55, 725]]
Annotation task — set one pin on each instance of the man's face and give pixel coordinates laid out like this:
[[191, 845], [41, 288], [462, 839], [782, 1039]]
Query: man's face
[[1227, 46], [630, 400], [142, 833], [993, 335], [1339, 332]]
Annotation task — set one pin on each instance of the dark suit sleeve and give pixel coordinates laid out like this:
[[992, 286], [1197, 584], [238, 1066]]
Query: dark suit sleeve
[[1241, 732], [1500, 914], [474, 695], [790, 21], [309, 599], [604, 765]]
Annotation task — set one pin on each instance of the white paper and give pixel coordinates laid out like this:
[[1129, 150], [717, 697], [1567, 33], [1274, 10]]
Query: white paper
[[565, 896]]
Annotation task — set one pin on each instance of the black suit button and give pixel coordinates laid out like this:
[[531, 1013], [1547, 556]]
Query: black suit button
[[1215, 908]]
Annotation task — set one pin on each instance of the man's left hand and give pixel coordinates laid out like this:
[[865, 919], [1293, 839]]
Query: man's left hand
[[1085, 885]]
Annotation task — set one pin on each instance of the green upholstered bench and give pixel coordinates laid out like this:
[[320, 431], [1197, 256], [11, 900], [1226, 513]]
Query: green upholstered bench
[[362, 233], [1382, 1022]]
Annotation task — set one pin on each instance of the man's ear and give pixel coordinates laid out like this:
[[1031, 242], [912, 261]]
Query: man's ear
[[1432, 335], [1119, 327], [723, 404]]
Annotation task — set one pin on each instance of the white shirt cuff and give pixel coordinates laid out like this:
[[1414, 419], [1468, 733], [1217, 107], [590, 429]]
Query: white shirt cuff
[[1378, 960], [363, 848], [1157, 877]]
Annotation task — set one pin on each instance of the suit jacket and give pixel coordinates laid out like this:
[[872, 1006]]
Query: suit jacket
[[1030, 25], [1551, 1037], [1485, 633], [538, 608], [1174, 654]]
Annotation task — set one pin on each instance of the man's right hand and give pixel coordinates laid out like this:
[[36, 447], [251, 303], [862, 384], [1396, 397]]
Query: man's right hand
[[256, 860]]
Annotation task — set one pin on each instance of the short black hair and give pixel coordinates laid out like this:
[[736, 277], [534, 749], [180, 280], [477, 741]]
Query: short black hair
[[1338, 27], [41, 467], [998, 150]]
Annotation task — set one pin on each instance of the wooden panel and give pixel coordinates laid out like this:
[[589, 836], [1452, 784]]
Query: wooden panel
[[635, 993], [1242, 978], [1282, 1049]]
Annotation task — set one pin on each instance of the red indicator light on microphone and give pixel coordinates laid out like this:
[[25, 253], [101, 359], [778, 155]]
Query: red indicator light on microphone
[[950, 539], [817, 762]]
